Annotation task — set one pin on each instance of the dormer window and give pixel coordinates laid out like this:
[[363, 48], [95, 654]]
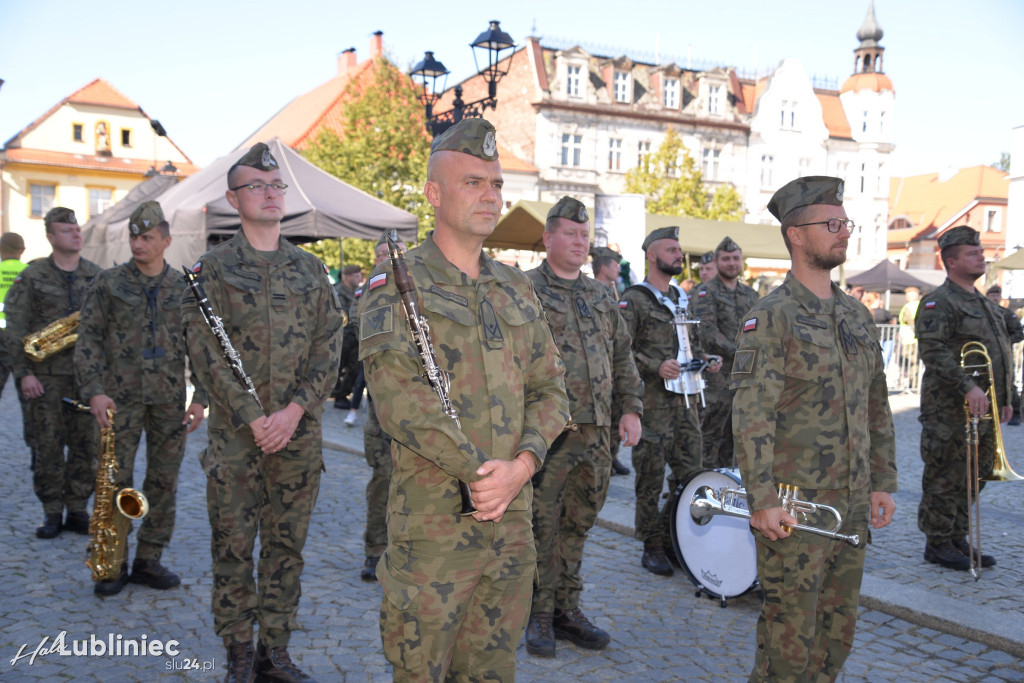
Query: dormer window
[[572, 80], [714, 100], [622, 86], [671, 93], [788, 115]]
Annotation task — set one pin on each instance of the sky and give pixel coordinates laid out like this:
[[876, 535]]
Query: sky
[[212, 72]]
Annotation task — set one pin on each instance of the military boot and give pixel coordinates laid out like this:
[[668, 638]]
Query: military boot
[[241, 659], [273, 665], [572, 624], [50, 527], [112, 586], [654, 559], [153, 574], [946, 555], [540, 639], [986, 560], [618, 467], [77, 522], [369, 572]]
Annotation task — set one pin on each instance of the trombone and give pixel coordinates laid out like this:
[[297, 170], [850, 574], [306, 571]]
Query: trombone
[[705, 503], [980, 370]]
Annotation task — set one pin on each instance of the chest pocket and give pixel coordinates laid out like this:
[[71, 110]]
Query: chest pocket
[[974, 323], [816, 357], [515, 314], [242, 279], [302, 294], [127, 295]]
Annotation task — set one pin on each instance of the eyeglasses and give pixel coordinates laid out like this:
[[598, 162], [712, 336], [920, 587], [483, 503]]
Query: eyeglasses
[[834, 224], [257, 188]]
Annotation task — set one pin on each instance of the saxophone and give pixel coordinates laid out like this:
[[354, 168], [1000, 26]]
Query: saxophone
[[54, 338], [112, 511]]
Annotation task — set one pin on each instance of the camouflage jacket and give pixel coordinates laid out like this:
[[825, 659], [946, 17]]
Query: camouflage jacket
[[506, 377], [811, 406], [595, 347], [947, 318], [41, 294], [654, 338], [346, 296], [119, 329], [720, 311], [282, 316]]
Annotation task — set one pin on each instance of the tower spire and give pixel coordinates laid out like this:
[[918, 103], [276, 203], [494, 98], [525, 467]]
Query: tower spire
[[868, 56]]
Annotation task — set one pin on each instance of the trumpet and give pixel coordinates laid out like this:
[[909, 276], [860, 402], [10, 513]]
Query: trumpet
[[705, 503]]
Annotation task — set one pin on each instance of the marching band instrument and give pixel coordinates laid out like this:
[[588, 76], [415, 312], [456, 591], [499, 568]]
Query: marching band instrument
[[689, 382], [54, 338]]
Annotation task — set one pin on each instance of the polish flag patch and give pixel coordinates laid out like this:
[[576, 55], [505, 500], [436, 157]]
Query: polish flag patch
[[359, 293], [622, 304], [702, 293], [376, 281], [750, 325], [197, 267], [929, 304]]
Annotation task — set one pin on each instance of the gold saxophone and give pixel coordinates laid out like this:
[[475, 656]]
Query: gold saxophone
[[112, 512], [54, 338]]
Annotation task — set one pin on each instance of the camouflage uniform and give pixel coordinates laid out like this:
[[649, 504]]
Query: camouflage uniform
[[131, 348], [570, 489], [457, 591], [283, 318], [671, 433], [947, 318], [720, 311], [812, 410], [42, 294]]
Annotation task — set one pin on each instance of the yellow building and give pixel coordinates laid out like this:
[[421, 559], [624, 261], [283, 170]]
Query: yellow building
[[85, 153]]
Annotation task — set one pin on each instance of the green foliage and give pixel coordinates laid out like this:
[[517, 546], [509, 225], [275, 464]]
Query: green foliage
[[673, 185], [383, 151], [1004, 162], [328, 250]]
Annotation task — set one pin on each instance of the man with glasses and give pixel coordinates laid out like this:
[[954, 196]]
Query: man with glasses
[[46, 291], [811, 410], [263, 462]]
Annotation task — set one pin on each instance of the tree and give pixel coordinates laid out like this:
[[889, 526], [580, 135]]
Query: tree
[[673, 185], [1004, 162], [383, 151]]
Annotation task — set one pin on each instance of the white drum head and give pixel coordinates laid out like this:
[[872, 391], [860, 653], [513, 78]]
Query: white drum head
[[720, 556]]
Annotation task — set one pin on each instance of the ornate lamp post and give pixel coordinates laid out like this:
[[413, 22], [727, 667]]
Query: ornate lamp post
[[488, 47]]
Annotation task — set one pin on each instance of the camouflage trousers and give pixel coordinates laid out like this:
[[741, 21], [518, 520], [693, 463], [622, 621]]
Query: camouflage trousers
[[61, 482], [377, 448], [456, 595], [811, 588], [568, 492], [5, 360], [671, 436], [716, 427], [165, 447], [942, 514], [249, 492]]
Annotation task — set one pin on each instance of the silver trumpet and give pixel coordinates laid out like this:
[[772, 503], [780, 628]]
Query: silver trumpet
[[706, 503]]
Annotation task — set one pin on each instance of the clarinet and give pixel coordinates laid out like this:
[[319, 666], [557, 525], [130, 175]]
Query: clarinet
[[439, 380], [217, 327]]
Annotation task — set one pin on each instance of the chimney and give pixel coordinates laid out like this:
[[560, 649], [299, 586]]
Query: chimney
[[346, 61], [376, 45]]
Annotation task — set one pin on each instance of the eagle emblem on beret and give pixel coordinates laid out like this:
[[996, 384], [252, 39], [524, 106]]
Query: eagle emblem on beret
[[267, 159], [490, 145]]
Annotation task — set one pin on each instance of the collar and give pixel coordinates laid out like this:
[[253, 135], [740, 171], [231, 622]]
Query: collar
[[442, 271], [813, 304]]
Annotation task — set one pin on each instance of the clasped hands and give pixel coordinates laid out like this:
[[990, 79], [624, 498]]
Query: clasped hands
[[273, 432]]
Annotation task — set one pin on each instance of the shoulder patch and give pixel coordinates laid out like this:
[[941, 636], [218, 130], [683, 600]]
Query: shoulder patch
[[358, 293], [326, 272], [702, 293], [743, 363], [750, 325], [197, 267], [929, 304], [374, 322], [623, 304], [377, 281]]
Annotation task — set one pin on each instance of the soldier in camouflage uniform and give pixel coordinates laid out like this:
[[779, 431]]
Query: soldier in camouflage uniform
[[570, 489], [811, 410], [949, 317], [1016, 334], [672, 422], [263, 470], [12, 246], [720, 304], [457, 588], [708, 267], [348, 369], [130, 358], [47, 290]]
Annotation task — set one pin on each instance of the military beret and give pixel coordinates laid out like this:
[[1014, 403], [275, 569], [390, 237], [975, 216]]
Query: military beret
[[145, 217], [59, 214], [475, 137], [259, 157], [605, 252], [393, 234], [961, 234], [994, 289], [669, 233], [707, 257], [570, 208], [351, 269], [12, 241], [815, 189], [727, 245]]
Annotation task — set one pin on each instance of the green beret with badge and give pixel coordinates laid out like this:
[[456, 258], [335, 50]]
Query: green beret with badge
[[605, 252], [145, 217], [669, 233], [727, 245], [59, 214], [961, 234], [476, 137], [258, 157], [807, 191], [707, 257], [569, 208]]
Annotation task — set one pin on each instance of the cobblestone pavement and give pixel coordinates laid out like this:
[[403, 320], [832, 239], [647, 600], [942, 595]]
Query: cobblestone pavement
[[661, 630]]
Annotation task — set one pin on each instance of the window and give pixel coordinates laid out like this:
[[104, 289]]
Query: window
[[100, 199], [572, 83], [642, 150], [126, 137], [77, 133], [42, 199], [710, 163], [881, 122], [880, 178], [863, 175], [615, 154], [572, 148], [672, 93], [767, 161], [864, 123], [992, 222], [788, 115], [622, 86], [714, 97]]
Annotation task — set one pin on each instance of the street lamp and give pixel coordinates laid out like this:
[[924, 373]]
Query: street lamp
[[487, 48]]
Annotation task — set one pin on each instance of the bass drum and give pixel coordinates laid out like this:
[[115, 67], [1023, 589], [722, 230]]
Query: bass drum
[[720, 557]]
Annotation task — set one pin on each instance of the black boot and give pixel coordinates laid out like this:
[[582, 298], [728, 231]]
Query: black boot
[[572, 624], [273, 665], [77, 522], [654, 559], [112, 586], [986, 560], [241, 660], [50, 527], [369, 572], [153, 574], [618, 467], [946, 555], [540, 638]]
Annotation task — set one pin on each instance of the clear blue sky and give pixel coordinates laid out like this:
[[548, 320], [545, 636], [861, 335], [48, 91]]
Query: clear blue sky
[[213, 72]]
